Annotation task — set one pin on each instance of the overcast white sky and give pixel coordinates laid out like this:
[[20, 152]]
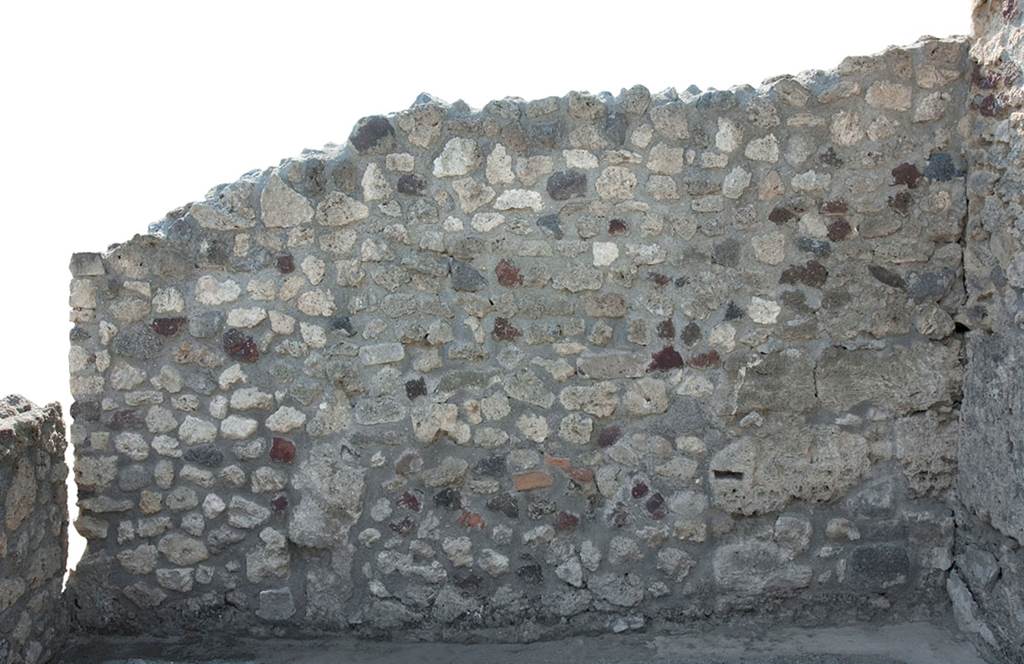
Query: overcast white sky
[[116, 112]]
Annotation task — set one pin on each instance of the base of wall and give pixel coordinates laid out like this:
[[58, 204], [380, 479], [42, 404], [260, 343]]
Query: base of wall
[[905, 643]]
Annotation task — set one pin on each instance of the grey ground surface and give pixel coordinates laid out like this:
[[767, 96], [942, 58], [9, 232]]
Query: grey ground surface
[[913, 643]]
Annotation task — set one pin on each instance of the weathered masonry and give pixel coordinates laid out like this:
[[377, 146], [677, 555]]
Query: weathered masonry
[[33, 531], [576, 364]]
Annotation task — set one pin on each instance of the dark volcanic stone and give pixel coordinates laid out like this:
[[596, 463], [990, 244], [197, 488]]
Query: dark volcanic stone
[[403, 527], [940, 167], [734, 311], [504, 503], [655, 506], [139, 342], [465, 277], [86, 411], [879, 566], [532, 574], [204, 455], [492, 466], [467, 580], [415, 388], [343, 324], [830, 158], [552, 224], [285, 264], [691, 334], [781, 215], [564, 185], [639, 490], [373, 133], [448, 498], [812, 273], [667, 329], [240, 346], [814, 246], [887, 276], [727, 253], [411, 184]]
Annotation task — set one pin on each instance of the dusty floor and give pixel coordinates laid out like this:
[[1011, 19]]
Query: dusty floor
[[913, 643]]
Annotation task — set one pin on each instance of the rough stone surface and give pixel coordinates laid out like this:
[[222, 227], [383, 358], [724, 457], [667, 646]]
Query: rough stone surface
[[986, 584], [33, 531], [548, 367]]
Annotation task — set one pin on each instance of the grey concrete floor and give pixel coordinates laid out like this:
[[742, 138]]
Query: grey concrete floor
[[912, 643]]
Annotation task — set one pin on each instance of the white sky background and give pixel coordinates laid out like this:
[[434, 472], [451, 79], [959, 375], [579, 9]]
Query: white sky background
[[113, 113]]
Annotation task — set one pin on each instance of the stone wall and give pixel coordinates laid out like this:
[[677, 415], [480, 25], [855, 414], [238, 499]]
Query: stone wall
[[987, 582], [33, 531], [573, 364]]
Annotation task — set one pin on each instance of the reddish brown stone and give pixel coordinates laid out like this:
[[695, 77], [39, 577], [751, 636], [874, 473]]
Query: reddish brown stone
[[530, 481], [471, 520], [617, 227], [640, 490], [906, 174], [989, 106], [665, 359], [504, 330], [839, 230], [282, 450], [285, 264], [508, 274], [609, 436], [705, 360], [167, 327], [566, 521], [279, 503], [240, 346], [410, 501]]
